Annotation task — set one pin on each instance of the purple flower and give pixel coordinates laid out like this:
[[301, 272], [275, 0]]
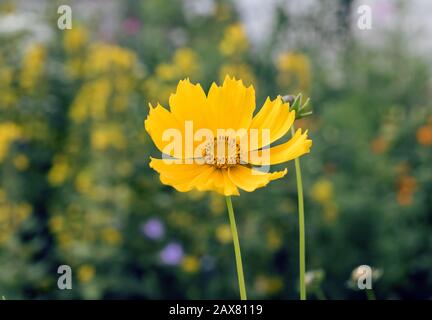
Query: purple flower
[[131, 25], [172, 254], [153, 229]]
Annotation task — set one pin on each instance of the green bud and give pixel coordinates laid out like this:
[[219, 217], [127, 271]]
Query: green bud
[[296, 103]]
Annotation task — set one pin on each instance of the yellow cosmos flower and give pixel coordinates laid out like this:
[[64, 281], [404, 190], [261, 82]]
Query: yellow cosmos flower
[[210, 120]]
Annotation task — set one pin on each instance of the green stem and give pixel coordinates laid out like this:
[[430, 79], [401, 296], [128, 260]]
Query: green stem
[[370, 294], [237, 252], [302, 259]]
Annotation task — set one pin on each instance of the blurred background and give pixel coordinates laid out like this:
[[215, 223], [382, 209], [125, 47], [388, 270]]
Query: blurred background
[[76, 188]]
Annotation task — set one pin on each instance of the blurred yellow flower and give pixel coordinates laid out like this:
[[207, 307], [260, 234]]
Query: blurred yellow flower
[[223, 233], [190, 264], [21, 162], [7, 6], [237, 70], [56, 223], [86, 273], [195, 195], [59, 171], [74, 66], [294, 72], [234, 41], [330, 211], [6, 74], [222, 11], [107, 136], [217, 204], [166, 71], [9, 132], [104, 58], [184, 63], [91, 101], [83, 182], [186, 60], [322, 191], [230, 106], [75, 39], [111, 236], [274, 239], [8, 94], [12, 215], [268, 285], [32, 66]]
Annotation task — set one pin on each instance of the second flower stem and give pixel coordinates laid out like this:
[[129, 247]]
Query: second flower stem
[[237, 252], [302, 258]]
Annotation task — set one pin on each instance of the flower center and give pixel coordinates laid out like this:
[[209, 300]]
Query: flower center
[[222, 152]]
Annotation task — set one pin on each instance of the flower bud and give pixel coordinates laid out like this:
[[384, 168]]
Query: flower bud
[[296, 103]]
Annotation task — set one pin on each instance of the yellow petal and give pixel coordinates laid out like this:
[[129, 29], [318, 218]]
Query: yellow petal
[[294, 148], [158, 121], [230, 106], [275, 117], [250, 179], [189, 103], [219, 181], [183, 177]]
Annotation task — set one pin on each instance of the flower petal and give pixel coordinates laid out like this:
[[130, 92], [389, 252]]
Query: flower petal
[[294, 148], [250, 179], [183, 177], [230, 106], [274, 116], [157, 122], [219, 181], [189, 103]]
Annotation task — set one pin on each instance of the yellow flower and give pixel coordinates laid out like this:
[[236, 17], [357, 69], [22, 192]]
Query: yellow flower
[[268, 285], [274, 239], [22, 211], [59, 171], [75, 39], [86, 273], [166, 71], [108, 136], [234, 41], [183, 63], [238, 70], [9, 132], [91, 101], [185, 59], [83, 182], [56, 223], [21, 162], [12, 215], [104, 58], [223, 233], [294, 71], [111, 236], [217, 205], [322, 191], [190, 264], [225, 109], [32, 66], [330, 211]]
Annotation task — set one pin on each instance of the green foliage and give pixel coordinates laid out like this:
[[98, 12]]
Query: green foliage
[[76, 188]]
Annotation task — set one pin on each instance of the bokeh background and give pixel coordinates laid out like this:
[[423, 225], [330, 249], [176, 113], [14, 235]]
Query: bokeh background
[[76, 188]]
